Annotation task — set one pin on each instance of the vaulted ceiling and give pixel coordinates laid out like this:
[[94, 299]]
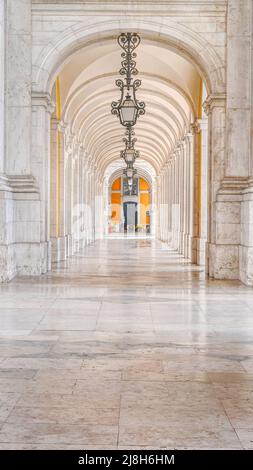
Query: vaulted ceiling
[[170, 88]]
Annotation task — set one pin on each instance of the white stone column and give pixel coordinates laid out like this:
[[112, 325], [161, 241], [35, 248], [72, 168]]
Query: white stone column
[[69, 164], [173, 200], [229, 151], [76, 220], [89, 201], [163, 223], [192, 194], [2, 85], [180, 194], [158, 228], [23, 230], [161, 204], [191, 190], [58, 199], [187, 208], [98, 206], [223, 255], [165, 182], [18, 83], [86, 209], [82, 157], [241, 37], [165, 203], [42, 108], [169, 201], [203, 179], [182, 188], [177, 200]]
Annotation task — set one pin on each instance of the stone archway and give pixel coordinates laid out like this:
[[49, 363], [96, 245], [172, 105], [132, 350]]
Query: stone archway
[[228, 106], [189, 45]]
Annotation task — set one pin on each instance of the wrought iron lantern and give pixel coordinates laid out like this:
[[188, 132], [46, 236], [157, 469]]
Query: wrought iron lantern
[[130, 171], [129, 153], [128, 108], [130, 182]]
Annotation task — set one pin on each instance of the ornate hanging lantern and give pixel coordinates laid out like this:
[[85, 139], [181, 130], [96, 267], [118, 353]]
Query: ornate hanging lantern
[[130, 171], [129, 153], [128, 108]]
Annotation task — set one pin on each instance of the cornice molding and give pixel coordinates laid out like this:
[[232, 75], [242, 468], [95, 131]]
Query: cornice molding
[[43, 99], [217, 100], [195, 127], [62, 126], [167, 7], [19, 184], [232, 185]]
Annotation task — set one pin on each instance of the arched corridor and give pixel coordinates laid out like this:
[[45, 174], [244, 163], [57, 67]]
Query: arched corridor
[[61, 144], [85, 150], [120, 302]]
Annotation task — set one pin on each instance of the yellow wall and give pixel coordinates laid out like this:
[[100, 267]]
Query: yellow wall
[[116, 200], [116, 186], [144, 186], [144, 201]]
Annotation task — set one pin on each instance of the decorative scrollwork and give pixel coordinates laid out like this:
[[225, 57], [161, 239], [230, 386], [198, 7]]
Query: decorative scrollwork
[[129, 41], [127, 108], [136, 84], [115, 108], [119, 83]]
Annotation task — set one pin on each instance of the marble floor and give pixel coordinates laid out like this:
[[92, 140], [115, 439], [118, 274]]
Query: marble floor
[[126, 345]]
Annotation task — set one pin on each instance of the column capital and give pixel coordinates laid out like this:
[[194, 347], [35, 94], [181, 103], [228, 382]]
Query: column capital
[[217, 100], [89, 162], [166, 165], [181, 144], [203, 123], [195, 128], [70, 142], [43, 99], [62, 126]]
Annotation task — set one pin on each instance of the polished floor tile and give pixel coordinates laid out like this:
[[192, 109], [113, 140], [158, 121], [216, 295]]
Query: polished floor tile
[[126, 345]]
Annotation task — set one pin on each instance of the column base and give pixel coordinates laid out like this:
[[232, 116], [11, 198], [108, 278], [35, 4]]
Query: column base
[[169, 237], [21, 251], [181, 247], [223, 261], [70, 250], [32, 258], [8, 265], [201, 251], [59, 249], [76, 245], [246, 265], [192, 244], [246, 247], [175, 240], [188, 246]]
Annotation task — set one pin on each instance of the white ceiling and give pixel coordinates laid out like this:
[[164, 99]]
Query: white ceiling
[[170, 88]]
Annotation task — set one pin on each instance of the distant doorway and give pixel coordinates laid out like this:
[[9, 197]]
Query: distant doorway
[[130, 216]]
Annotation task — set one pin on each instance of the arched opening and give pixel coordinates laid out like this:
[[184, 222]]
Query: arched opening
[[130, 213], [172, 138]]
